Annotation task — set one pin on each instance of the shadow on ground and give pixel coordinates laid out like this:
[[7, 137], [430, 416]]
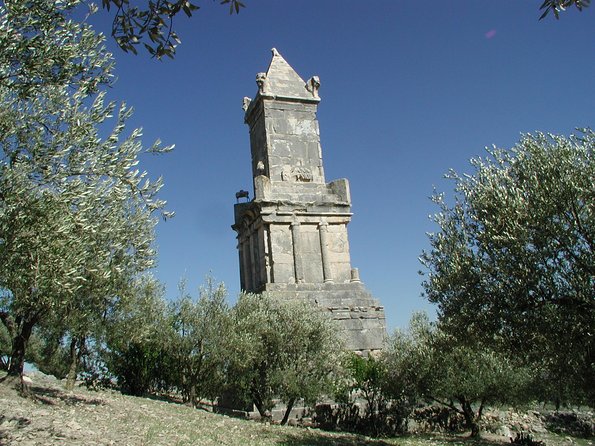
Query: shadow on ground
[[49, 395], [19, 422], [446, 440], [306, 439]]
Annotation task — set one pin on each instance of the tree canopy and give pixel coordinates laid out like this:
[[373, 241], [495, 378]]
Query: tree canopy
[[513, 262], [428, 363], [76, 215], [198, 343], [283, 349]]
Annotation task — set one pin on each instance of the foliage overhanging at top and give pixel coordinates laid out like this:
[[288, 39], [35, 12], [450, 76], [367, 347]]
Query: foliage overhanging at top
[[557, 6], [153, 25]]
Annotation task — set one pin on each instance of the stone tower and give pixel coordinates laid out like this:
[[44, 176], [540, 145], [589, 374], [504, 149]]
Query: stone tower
[[292, 237]]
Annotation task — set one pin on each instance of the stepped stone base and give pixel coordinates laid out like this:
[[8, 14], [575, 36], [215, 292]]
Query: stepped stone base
[[357, 312]]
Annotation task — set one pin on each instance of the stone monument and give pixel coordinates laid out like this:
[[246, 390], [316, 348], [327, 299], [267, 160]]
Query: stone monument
[[292, 236]]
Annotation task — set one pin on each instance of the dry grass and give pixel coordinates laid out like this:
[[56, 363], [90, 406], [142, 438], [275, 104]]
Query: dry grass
[[52, 416]]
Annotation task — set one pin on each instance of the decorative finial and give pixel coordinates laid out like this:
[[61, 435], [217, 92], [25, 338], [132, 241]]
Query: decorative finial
[[275, 52], [313, 85], [260, 167], [260, 81], [246, 103]]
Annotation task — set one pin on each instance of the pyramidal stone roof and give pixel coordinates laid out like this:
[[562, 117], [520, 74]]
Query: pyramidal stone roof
[[282, 80]]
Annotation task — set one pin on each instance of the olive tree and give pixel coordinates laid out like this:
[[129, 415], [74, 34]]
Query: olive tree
[[285, 349], [199, 336], [513, 264], [426, 363], [135, 349], [366, 379], [76, 215]]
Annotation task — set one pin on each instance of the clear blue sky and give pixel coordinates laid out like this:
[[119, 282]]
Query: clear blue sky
[[409, 90]]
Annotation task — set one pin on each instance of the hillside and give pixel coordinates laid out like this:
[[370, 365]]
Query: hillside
[[52, 416]]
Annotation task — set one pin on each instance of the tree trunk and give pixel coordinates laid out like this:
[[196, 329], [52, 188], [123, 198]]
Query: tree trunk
[[475, 430], [471, 420], [264, 413], [192, 395], [260, 399], [290, 404], [75, 356], [260, 406], [19, 347]]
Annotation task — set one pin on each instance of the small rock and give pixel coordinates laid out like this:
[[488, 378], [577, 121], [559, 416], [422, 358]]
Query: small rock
[[73, 425], [538, 428], [504, 431]]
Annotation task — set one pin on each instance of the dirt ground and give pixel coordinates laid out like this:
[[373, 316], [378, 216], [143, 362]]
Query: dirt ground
[[49, 415]]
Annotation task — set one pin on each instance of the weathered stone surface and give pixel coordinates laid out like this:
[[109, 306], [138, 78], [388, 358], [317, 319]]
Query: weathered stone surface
[[292, 237]]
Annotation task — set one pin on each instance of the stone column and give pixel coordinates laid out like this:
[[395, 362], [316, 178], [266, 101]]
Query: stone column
[[246, 264], [242, 269], [297, 252], [266, 242], [255, 260], [324, 254]]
